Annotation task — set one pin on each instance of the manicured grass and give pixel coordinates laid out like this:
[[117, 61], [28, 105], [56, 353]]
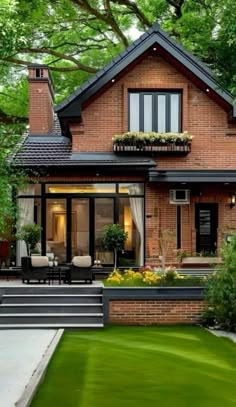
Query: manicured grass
[[141, 367]]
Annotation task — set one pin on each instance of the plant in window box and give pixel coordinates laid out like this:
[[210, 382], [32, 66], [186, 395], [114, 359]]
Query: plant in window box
[[151, 141]]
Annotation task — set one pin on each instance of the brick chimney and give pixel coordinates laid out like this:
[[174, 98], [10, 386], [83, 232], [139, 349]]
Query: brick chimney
[[41, 97]]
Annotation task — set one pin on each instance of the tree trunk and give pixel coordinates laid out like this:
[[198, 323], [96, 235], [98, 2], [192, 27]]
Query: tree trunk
[[115, 254]]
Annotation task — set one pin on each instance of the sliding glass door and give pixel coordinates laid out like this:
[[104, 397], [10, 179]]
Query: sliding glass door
[[103, 215], [73, 217], [80, 227], [56, 228]]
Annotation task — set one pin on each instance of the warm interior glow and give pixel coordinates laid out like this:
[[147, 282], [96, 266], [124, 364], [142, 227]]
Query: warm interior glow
[[123, 190], [59, 227], [128, 227], [80, 189]]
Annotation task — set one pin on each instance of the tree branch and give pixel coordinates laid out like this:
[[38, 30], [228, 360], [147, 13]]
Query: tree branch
[[106, 18], [177, 4], [9, 119], [59, 55], [135, 10], [79, 66]]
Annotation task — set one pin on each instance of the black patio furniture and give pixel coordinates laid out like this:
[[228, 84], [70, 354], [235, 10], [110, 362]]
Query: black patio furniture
[[80, 270], [34, 270]]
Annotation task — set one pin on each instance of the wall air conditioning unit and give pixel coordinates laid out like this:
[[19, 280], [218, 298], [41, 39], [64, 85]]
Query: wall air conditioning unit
[[179, 196]]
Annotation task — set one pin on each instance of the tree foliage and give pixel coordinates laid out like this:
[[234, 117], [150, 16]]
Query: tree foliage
[[114, 238], [77, 37], [221, 291], [11, 178], [31, 236]]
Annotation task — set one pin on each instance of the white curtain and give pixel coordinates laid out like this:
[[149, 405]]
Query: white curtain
[[26, 217], [137, 209]]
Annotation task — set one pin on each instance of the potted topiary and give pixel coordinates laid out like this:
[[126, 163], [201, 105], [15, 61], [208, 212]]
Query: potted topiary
[[114, 238], [31, 236]]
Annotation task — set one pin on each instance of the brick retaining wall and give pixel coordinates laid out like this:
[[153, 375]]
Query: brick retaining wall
[[154, 312]]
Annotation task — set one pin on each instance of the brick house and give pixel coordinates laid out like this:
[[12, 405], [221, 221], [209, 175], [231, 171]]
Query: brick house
[[188, 188]]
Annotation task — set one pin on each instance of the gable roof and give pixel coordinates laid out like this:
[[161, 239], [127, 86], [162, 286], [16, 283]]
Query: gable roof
[[71, 106]]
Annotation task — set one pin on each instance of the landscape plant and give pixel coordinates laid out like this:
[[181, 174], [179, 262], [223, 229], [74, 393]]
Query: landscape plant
[[30, 234], [166, 241], [113, 239], [221, 290], [148, 277]]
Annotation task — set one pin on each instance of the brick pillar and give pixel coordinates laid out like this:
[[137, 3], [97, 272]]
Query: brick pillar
[[41, 112], [78, 136]]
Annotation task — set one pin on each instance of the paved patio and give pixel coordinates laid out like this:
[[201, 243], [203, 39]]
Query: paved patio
[[20, 353]]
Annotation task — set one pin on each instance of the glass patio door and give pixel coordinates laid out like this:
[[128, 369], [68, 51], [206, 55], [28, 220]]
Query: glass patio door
[[56, 228], [80, 223], [103, 215]]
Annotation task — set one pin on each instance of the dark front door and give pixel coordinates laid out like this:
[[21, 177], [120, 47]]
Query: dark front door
[[206, 223]]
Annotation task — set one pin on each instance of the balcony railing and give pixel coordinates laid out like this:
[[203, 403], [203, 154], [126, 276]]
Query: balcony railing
[[153, 143]]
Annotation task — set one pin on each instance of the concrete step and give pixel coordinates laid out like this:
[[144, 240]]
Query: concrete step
[[51, 298], [51, 318], [50, 308], [52, 289], [47, 326]]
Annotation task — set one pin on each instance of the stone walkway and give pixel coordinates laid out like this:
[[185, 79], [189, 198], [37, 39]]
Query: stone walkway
[[20, 353], [224, 334]]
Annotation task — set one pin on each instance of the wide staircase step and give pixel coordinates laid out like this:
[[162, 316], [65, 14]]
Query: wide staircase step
[[55, 307], [51, 298]]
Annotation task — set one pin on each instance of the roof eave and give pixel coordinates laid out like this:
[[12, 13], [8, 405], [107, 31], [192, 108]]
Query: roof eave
[[72, 104]]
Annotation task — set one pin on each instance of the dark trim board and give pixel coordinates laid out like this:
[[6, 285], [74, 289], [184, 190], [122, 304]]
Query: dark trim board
[[192, 176]]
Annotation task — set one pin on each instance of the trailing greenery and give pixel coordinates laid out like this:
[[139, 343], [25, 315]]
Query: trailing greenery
[[140, 366], [11, 178], [151, 138], [31, 236], [114, 238], [221, 290], [149, 278]]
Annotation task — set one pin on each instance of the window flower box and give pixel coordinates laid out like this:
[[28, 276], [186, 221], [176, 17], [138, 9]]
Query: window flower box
[[152, 142]]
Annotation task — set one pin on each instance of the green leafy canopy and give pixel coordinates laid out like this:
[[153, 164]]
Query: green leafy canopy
[[77, 37]]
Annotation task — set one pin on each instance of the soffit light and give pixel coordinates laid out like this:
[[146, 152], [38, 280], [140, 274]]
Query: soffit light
[[232, 200]]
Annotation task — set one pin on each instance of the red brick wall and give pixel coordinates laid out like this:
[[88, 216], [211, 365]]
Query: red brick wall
[[41, 113], [163, 216], [153, 312], [107, 115]]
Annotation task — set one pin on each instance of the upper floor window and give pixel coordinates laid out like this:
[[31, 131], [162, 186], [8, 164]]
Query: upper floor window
[[155, 111]]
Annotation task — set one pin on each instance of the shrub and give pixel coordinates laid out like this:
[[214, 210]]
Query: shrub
[[31, 235], [114, 238], [221, 289]]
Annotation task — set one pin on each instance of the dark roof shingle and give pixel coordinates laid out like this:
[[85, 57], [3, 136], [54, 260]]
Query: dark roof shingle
[[56, 151]]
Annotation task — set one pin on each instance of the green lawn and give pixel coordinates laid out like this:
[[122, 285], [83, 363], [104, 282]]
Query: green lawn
[[141, 367]]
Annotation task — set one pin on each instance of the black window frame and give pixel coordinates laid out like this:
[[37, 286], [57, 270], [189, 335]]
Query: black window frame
[[91, 196], [155, 95]]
